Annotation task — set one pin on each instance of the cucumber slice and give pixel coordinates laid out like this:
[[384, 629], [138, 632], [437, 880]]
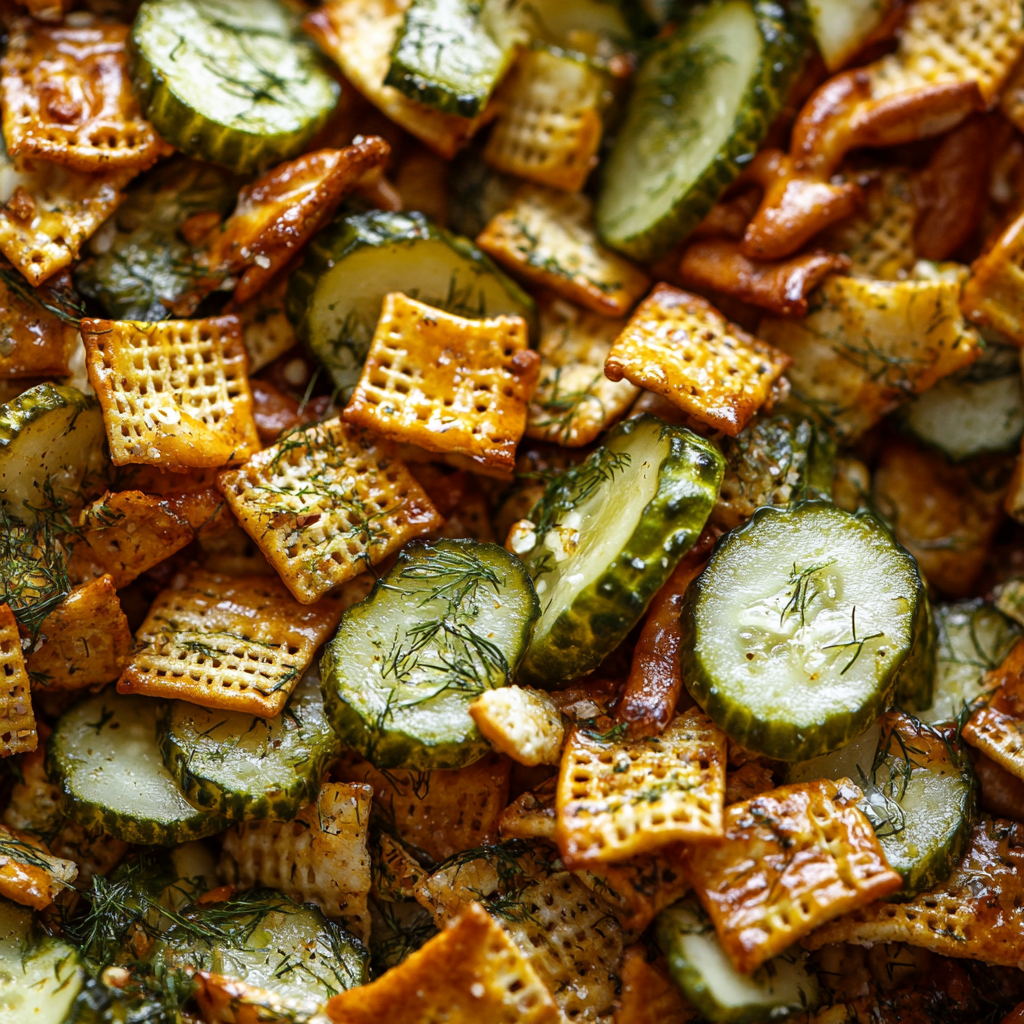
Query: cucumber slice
[[448, 54], [229, 81], [702, 103], [571, 24], [854, 761], [450, 620], [700, 967], [972, 639], [104, 758], [40, 976], [47, 435], [605, 537], [795, 633], [921, 798], [244, 767], [335, 297]]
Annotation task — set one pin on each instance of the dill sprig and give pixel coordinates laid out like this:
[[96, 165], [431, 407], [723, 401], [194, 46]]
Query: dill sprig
[[857, 642], [801, 582], [33, 569]]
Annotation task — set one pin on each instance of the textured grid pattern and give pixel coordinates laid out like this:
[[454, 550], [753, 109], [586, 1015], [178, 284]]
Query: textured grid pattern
[[321, 857], [67, 97], [266, 330], [994, 293], [997, 729], [640, 887], [85, 641], [28, 874], [618, 799], [174, 394], [791, 860], [447, 384], [523, 723], [978, 912], [548, 238], [469, 973], [36, 343], [679, 346], [549, 127], [325, 503], [238, 643], [531, 815], [574, 401], [17, 719]]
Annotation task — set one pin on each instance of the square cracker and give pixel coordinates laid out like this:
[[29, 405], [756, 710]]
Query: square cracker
[[619, 798], [469, 973], [549, 124], [446, 383], [548, 238], [174, 394], [997, 728], [521, 722], [791, 860], [325, 503], [237, 643], [977, 913], [321, 857], [17, 719], [993, 295], [67, 97], [679, 346]]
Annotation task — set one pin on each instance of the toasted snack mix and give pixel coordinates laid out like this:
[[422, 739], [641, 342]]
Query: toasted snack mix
[[28, 874], [520, 722], [649, 995], [326, 503], [17, 720], [37, 344], [791, 860], [678, 345], [237, 643], [997, 727], [991, 295], [446, 383]]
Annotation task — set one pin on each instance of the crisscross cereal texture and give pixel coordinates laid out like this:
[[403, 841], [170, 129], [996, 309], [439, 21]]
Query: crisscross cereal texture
[[17, 719], [520, 722], [993, 295], [997, 727]]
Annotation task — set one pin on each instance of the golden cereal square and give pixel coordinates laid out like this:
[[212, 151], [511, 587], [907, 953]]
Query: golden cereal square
[[447, 384], [679, 346], [237, 643], [523, 723], [993, 295], [620, 798], [791, 860], [977, 913], [641, 887], [548, 238], [17, 719], [997, 727], [469, 973], [67, 97], [174, 394], [325, 503], [549, 124]]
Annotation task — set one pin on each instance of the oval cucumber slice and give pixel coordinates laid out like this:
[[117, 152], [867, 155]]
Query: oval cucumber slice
[[244, 767], [605, 537], [229, 81], [104, 758], [701, 105], [704, 974], [47, 435], [447, 622], [335, 297], [796, 632], [921, 799]]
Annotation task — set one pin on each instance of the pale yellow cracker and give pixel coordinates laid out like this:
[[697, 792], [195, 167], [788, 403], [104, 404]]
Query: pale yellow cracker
[[549, 123], [447, 384], [266, 329], [17, 719], [325, 503], [791, 860], [441, 812], [548, 238], [977, 913], [867, 345], [521, 722], [33, 342], [84, 641], [174, 394], [997, 727], [67, 97], [358, 35], [574, 401], [993, 295], [468, 974], [619, 798], [321, 857], [238, 643], [679, 346], [28, 873]]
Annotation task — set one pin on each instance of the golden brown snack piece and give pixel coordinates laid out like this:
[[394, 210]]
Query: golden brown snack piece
[[649, 995], [997, 728], [532, 814], [17, 719], [521, 722], [29, 875], [266, 330], [992, 293], [1002, 793], [36, 343]]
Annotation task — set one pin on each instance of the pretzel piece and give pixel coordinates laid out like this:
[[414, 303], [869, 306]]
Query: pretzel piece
[[324, 503], [679, 346], [17, 719], [67, 97], [36, 343], [240, 644], [548, 238], [447, 384], [29, 875], [521, 722], [174, 394]]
